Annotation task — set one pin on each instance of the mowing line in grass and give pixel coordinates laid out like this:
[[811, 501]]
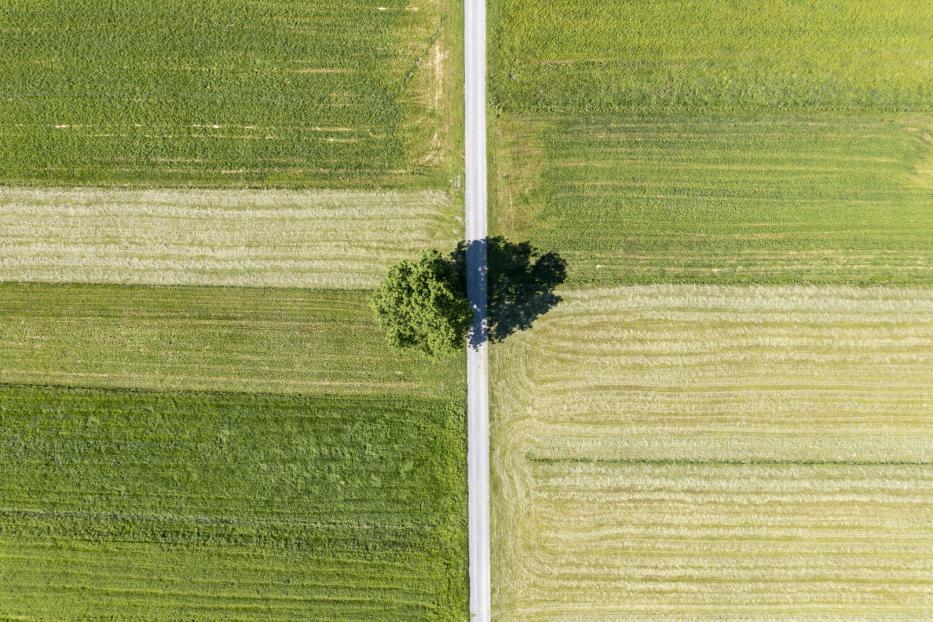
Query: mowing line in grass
[[682, 452]]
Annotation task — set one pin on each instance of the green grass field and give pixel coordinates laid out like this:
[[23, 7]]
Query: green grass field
[[226, 93], [207, 338], [684, 452], [705, 141], [316, 473], [729, 416], [711, 55], [228, 505], [778, 198]]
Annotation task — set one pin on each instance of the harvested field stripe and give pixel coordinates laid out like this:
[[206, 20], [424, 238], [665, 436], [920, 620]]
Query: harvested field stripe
[[699, 451], [323, 239]]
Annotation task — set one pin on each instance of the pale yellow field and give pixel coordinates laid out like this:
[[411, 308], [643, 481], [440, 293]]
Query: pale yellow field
[[272, 238], [687, 452]]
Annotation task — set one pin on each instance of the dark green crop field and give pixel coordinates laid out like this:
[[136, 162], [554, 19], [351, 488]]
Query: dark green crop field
[[255, 454], [220, 505], [223, 93]]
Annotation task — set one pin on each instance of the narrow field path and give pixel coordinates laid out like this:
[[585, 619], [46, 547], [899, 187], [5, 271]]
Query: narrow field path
[[477, 353]]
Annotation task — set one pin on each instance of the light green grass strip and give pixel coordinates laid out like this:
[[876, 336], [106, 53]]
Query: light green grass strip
[[696, 452], [272, 238], [212, 338]]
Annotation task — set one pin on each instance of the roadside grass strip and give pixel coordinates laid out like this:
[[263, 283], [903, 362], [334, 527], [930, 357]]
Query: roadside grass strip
[[207, 338], [224, 505], [683, 452], [764, 198], [272, 238]]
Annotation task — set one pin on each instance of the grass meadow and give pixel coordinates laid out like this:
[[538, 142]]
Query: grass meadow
[[226, 93], [258, 506], [711, 56], [207, 338], [728, 416], [706, 142], [793, 198]]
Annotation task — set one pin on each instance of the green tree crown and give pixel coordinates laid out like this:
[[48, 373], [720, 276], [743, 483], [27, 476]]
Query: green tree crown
[[423, 304]]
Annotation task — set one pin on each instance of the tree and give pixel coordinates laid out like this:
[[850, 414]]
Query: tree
[[423, 304]]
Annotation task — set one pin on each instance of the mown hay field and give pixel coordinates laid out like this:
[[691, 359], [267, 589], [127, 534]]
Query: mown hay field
[[227, 93], [208, 452], [708, 452], [729, 415], [274, 238]]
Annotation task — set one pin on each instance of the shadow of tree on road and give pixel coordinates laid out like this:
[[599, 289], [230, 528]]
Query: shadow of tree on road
[[519, 281]]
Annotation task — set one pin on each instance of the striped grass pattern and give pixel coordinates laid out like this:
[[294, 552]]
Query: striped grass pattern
[[198, 506], [793, 198], [273, 238], [696, 452], [207, 338]]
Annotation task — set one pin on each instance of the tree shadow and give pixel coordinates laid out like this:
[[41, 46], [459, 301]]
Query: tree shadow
[[509, 285]]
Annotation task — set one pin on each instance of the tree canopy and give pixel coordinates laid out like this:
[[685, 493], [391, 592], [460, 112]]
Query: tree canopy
[[424, 304]]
